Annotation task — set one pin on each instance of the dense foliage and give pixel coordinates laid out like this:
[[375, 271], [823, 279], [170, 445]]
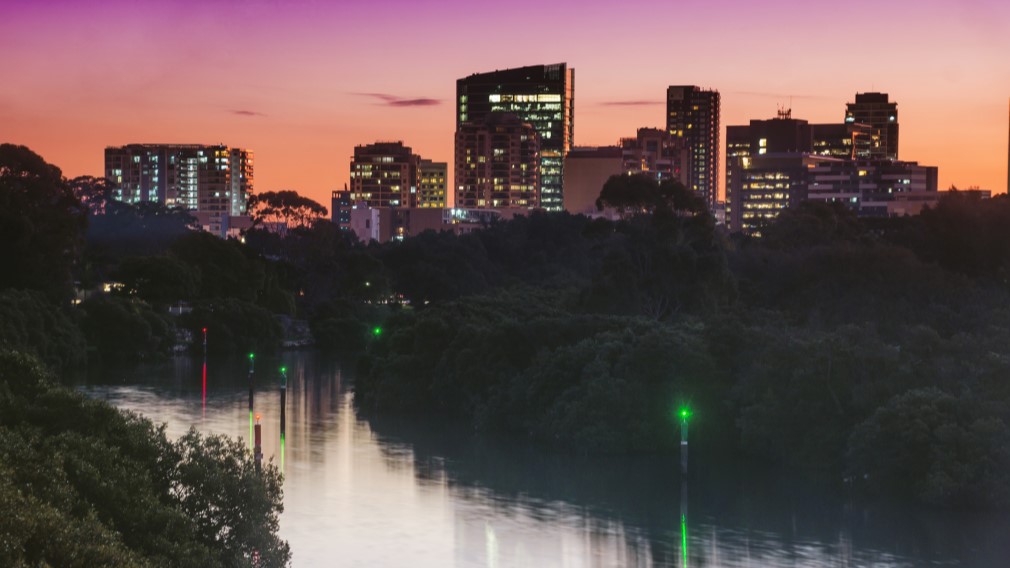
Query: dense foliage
[[858, 351], [84, 484], [870, 352]]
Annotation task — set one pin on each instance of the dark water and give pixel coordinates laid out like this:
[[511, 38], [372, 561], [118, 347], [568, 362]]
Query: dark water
[[386, 491]]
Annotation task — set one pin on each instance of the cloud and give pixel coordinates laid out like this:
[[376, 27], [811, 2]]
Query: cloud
[[247, 113], [632, 103], [395, 101]]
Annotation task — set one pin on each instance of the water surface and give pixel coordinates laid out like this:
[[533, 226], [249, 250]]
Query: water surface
[[402, 491]]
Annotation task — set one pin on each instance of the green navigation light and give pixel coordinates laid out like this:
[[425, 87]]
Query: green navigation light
[[284, 369], [684, 413], [252, 356], [377, 331]]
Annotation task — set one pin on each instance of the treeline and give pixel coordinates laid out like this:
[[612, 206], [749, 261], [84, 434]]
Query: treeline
[[82, 483], [866, 352], [873, 354]]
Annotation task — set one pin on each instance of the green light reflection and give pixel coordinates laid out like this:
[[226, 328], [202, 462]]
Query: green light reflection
[[683, 538]]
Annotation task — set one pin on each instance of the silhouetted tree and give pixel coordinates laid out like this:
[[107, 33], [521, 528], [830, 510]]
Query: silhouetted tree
[[41, 224], [285, 206]]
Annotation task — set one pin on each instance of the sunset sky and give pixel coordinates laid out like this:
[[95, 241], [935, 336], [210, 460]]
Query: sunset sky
[[301, 82]]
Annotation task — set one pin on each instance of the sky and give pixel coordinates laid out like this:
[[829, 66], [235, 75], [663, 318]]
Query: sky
[[301, 82]]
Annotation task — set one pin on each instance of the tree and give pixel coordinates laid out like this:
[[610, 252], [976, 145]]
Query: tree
[[94, 193], [159, 280], [285, 207], [84, 484], [641, 193], [41, 224]]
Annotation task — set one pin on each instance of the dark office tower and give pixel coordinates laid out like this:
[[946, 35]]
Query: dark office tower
[[384, 174], [692, 115], [539, 95], [881, 114], [497, 163]]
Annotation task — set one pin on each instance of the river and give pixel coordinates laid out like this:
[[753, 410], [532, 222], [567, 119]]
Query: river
[[411, 491]]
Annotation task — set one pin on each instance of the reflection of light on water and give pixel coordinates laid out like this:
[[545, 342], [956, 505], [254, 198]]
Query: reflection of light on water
[[381, 502], [491, 546]]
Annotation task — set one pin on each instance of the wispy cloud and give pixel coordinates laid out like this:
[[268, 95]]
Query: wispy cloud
[[395, 101], [247, 113], [631, 103]]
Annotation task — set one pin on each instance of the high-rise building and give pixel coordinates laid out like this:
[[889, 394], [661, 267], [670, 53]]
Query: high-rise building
[[539, 95], [876, 110], [764, 185], [692, 115], [215, 181], [383, 173], [340, 208], [655, 152], [431, 184], [787, 135], [498, 163], [652, 151], [389, 174]]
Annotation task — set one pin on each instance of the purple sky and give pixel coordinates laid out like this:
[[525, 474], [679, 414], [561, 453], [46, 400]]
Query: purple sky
[[296, 81]]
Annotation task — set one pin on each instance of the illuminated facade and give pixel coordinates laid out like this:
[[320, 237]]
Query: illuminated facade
[[872, 187], [215, 181], [765, 185], [655, 152], [692, 116], [389, 174], [498, 163], [539, 95], [431, 183], [784, 135], [876, 110]]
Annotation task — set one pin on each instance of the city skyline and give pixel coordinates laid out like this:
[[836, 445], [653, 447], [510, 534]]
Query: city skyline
[[282, 83]]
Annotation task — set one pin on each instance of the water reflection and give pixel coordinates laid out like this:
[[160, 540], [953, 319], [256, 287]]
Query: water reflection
[[386, 491]]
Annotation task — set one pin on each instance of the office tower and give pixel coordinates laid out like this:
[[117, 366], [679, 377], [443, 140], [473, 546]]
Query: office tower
[[652, 151], [498, 163], [881, 115], [764, 185], [785, 134], [655, 152], [213, 181], [340, 208], [431, 184], [692, 115], [874, 188], [539, 95], [383, 174]]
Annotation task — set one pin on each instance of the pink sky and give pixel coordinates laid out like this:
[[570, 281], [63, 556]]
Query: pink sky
[[284, 77]]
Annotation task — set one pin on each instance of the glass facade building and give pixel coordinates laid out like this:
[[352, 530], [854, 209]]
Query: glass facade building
[[541, 96]]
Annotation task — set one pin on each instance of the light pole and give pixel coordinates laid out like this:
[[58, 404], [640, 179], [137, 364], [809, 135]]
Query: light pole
[[685, 416]]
